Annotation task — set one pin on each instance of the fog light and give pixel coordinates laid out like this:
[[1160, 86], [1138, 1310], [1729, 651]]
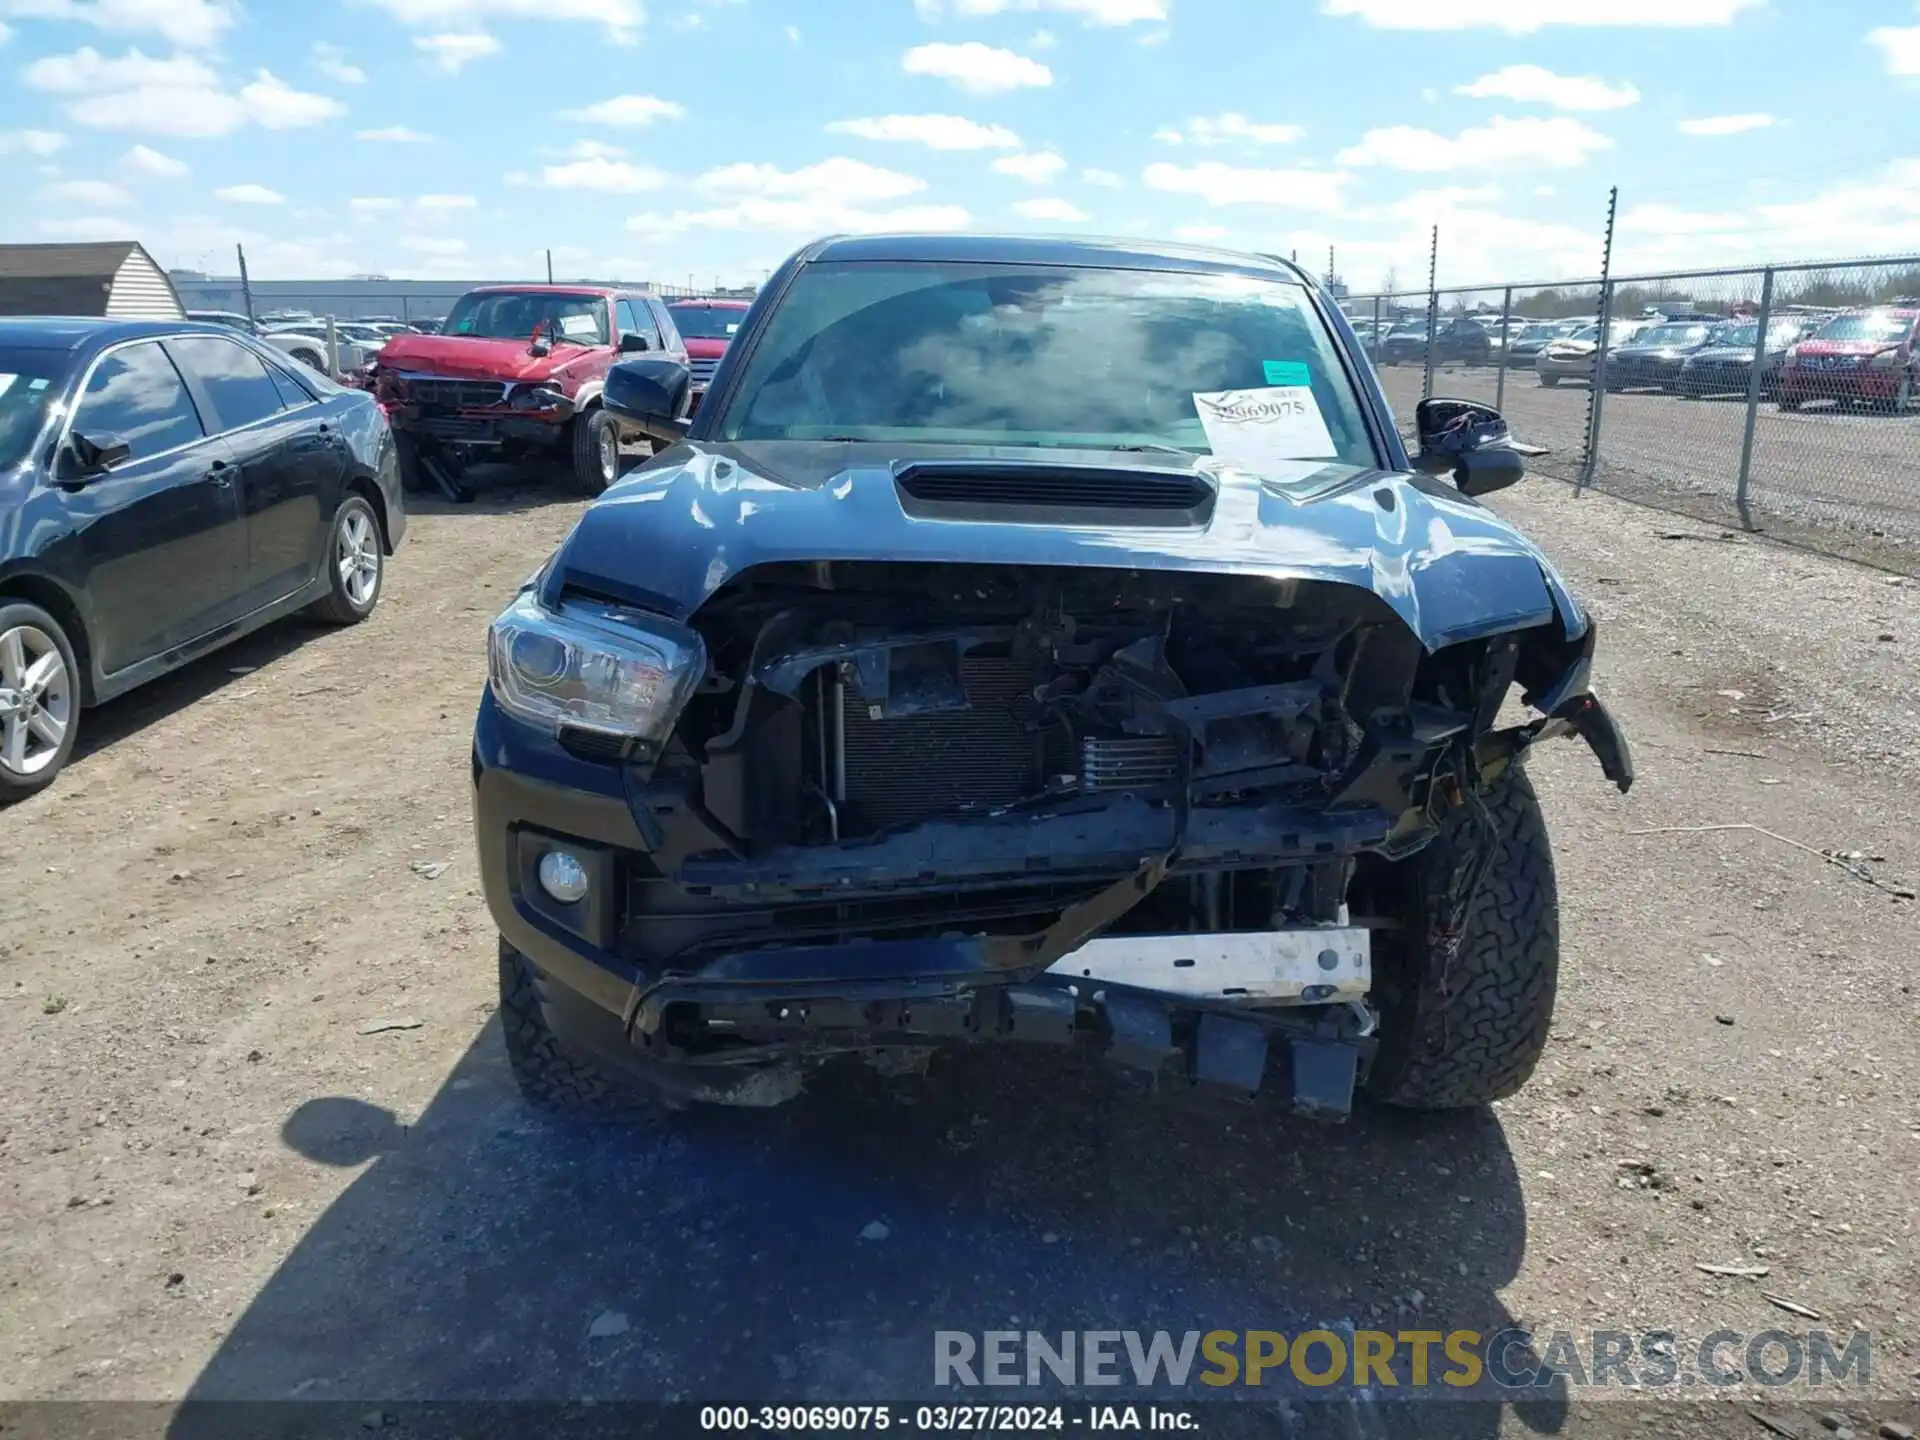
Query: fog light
[[563, 877]]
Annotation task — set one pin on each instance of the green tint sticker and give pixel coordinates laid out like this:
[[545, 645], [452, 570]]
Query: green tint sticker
[[1286, 372]]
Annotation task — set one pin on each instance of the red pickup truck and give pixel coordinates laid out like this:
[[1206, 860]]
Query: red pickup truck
[[516, 373], [709, 327]]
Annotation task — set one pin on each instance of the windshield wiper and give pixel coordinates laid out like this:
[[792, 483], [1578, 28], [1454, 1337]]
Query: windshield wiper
[[1149, 447]]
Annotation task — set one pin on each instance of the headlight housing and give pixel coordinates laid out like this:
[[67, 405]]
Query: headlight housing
[[600, 668], [1885, 360], [543, 396]]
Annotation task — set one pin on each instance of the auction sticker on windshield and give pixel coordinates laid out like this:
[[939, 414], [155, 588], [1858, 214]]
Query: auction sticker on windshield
[[1261, 428]]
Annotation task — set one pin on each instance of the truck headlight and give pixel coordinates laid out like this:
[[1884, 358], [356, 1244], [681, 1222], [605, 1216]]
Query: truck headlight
[[536, 397], [593, 667], [1885, 360]]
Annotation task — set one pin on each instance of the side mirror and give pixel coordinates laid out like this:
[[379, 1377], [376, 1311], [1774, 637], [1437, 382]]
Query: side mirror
[[1470, 442], [649, 395], [632, 343], [97, 453]]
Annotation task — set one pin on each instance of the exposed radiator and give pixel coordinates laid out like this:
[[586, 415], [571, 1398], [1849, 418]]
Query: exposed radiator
[[906, 770]]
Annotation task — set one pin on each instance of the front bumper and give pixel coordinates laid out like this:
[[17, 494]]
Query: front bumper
[[1797, 382], [483, 429]]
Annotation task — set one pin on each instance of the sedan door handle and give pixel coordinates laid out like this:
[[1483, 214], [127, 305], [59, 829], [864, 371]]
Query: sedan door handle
[[221, 473]]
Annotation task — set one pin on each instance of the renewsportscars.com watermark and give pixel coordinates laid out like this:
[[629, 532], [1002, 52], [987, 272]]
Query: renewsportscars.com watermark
[[1436, 1361]]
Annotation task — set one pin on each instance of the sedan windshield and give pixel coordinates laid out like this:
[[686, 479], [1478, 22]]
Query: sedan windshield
[[706, 322], [1041, 356], [1673, 335], [29, 379], [515, 314], [1873, 326]]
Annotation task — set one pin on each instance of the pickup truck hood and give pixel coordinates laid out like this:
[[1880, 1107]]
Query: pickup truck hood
[[672, 533], [471, 358]]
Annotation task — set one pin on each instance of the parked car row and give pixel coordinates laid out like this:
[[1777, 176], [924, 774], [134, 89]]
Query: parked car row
[[166, 488]]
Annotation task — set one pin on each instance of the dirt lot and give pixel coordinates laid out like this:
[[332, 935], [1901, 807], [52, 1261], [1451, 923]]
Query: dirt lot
[[257, 1139], [1827, 477]]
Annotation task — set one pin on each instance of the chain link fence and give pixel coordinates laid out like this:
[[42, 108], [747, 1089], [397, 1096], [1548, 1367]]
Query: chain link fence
[[1784, 398]]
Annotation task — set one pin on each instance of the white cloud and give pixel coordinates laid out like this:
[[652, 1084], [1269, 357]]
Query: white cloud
[[623, 18], [331, 61], [1520, 17], [179, 95], [1091, 12], [86, 192], [1042, 40], [87, 227], [1499, 144], [1726, 124], [1876, 213], [1200, 234], [179, 22], [600, 172], [31, 142], [1537, 85], [1041, 167], [396, 135], [6, 32], [148, 161], [453, 50], [373, 204], [1105, 179], [444, 204], [793, 34], [1051, 207], [249, 195], [976, 68], [628, 110], [936, 132], [1220, 184], [593, 150], [434, 244], [1227, 128], [278, 106], [1900, 45], [852, 182], [834, 195]]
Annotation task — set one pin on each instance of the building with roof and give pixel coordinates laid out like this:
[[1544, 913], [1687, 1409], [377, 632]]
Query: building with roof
[[107, 277]]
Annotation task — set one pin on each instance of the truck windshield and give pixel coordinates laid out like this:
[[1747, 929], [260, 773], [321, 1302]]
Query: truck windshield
[[706, 322], [1038, 356], [29, 379], [514, 314]]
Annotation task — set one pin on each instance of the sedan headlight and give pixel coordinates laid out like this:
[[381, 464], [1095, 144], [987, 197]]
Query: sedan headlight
[[1885, 360], [593, 667]]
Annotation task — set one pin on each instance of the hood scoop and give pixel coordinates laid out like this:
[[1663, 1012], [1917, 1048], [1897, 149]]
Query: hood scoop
[[1043, 493]]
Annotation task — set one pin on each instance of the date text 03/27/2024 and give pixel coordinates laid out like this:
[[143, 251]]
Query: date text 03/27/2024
[[1049, 1419]]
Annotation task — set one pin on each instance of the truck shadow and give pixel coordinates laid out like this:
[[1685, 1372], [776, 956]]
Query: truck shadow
[[810, 1253]]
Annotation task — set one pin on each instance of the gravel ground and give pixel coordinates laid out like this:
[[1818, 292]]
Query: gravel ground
[[1840, 480], [259, 1141]]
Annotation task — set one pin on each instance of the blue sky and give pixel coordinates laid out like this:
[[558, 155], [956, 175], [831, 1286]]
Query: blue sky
[[708, 138]]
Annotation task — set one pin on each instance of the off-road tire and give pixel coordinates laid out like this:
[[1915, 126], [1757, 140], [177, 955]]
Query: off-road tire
[[1549, 381], [551, 1077], [1462, 1035], [589, 466]]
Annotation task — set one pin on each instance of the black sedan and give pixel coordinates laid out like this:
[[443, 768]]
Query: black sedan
[[1653, 360], [1725, 364], [166, 488]]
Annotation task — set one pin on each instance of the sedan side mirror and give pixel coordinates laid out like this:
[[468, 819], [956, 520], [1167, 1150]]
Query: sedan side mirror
[[632, 343], [1470, 442], [100, 452], [650, 396]]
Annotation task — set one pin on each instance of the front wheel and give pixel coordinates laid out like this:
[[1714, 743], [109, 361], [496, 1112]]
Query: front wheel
[[1549, 381], [596, 451], [356, 564], [550, 1076], [1464, 1017], [39, 700]]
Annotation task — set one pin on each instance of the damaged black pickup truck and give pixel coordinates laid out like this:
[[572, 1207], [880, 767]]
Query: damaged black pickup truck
[[1033, 642]]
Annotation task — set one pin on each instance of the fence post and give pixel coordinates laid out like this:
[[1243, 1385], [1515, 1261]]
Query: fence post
[[333, 351], [1756, 382], [1433, 313], [1506, 325], [1597, 386]]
